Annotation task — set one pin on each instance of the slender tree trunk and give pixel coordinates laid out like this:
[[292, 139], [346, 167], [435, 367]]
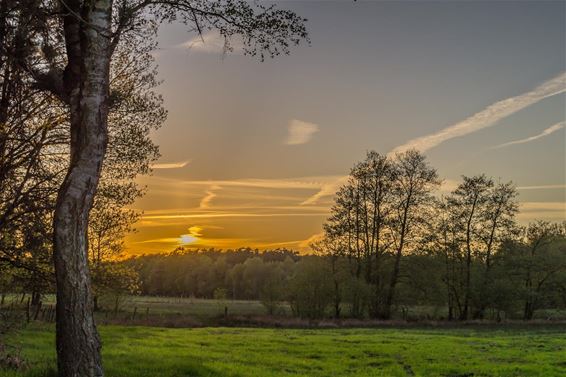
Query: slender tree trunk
[[397, 266], [467, 294], [35, 298], [87, 83]]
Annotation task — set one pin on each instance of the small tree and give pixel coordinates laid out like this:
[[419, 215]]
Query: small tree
[[273, 287], [310, 291]]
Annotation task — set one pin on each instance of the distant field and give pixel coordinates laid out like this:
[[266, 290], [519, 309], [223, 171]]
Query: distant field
[[148, 352], [187, 311], [200, 309]]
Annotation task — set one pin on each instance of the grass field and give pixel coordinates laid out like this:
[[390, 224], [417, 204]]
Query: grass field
[[207, 312], [143, 351]]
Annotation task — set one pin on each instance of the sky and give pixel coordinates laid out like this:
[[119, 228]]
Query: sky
[[252, 152]]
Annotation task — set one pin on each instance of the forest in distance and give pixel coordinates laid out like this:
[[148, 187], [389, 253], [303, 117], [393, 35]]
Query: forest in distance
[[390, 244]]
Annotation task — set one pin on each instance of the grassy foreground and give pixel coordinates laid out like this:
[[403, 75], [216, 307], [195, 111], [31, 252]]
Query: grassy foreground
[[143, 351]]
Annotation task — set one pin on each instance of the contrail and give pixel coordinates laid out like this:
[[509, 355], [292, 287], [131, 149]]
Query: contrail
[[487, 117], [548, 131]]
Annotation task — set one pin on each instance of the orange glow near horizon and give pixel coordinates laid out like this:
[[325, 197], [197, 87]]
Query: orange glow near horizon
[[263, 214]]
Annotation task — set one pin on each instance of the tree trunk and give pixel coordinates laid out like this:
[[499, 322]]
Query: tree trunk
[[35, 298], [386, 313], [87, 83], [529, 311], [467, 295]]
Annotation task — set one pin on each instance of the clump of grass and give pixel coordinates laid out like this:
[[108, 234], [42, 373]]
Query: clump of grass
[[10, 356]]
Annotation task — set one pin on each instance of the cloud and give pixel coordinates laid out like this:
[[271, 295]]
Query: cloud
[[542, 187], [488, 116], [300, 132], [328, 189], [194, 235], [229, 214], [312, 182], [306, 244], [209, 195], [550, 211], [171, 165], [212, 42], [548, 131], [325, 186]]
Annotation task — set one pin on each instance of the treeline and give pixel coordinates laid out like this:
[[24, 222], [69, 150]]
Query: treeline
[[391, 243], [529, 275], [463, 250], [392, 247]]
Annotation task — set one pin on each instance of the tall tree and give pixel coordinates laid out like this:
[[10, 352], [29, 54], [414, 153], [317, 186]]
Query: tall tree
[[359, 225], [497, 225], [467, 201], [379, 212], [415, 180], [483, 216]]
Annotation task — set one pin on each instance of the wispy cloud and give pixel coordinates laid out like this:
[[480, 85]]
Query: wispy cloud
[[311, 182], [487, 117], [300, 132], [324, 185], [230, 214], [548, 131], [212, 42], [171, 165], [328, 189], [209, 195], [551, 211], [305, 244], [542, 187]]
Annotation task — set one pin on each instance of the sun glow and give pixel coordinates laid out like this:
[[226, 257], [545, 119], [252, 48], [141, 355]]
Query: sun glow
[[192, 236]]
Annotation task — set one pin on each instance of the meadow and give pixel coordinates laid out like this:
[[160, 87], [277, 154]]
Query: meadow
[[144, 351]]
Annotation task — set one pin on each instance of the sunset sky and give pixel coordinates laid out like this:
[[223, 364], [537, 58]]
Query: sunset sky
[[252, 152]]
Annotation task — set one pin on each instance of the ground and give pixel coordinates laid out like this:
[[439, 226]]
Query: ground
[[150, 351]]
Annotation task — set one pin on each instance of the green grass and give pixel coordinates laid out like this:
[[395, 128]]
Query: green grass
[[198, 308], [142, 351], [207, 311], [170, 307]]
